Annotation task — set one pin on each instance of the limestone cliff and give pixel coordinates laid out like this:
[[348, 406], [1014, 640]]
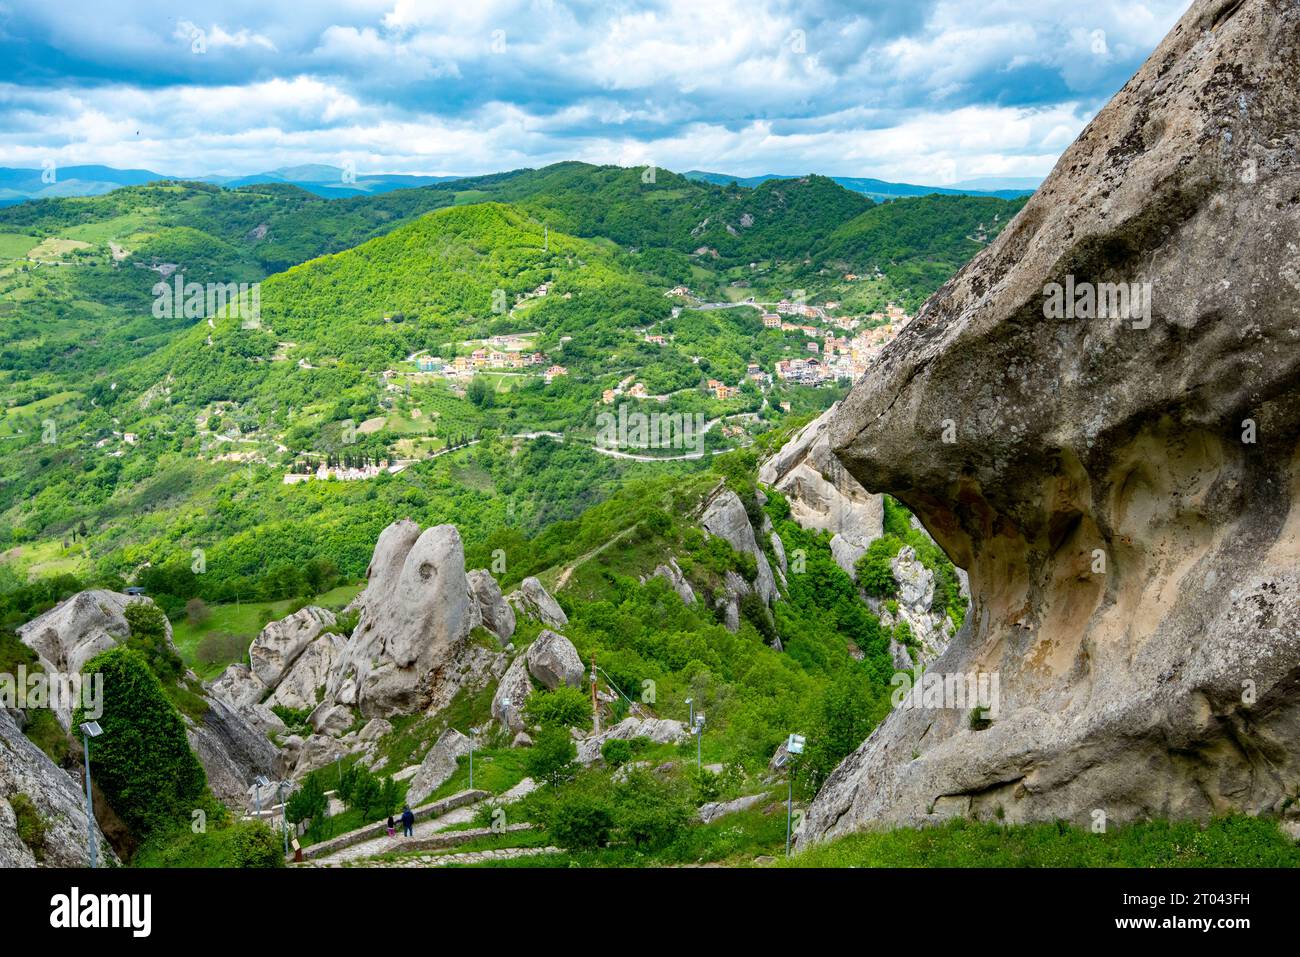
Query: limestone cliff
[[1122, 491]]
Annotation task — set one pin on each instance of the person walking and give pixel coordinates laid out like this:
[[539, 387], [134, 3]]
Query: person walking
[[408, 821], [392, 826]]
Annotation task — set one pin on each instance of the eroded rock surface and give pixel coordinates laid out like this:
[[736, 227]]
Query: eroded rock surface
[[1123, 493]]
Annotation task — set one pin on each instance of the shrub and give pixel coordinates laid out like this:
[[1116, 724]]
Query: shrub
[[550, 759], [566, 707], [648, 812], [582, 822], [148, 636], [873, 570], [616, 752], [196, 611], [218, 647], [31, 825]]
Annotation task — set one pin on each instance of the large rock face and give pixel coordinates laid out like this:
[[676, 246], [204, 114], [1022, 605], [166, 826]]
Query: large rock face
[[76, 630], [279, 644], [438, 765], [725, 516], [823, 495], [554, 661], [57, 798], [535, 601], [416, 613], [493, 610], [1123, 494]]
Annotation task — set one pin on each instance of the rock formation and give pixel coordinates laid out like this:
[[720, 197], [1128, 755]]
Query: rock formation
[[658, 730], [76, 630], [416, 613], [56, 798], [438, 765], [536, 602], [494, 612], [823, 495], [1122, 491], [553, 661]]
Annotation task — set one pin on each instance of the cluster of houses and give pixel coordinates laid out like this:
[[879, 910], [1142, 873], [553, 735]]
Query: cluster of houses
[[344, 473]]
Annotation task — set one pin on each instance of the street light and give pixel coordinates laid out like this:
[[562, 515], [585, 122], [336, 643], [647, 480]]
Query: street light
[[259, 782], [793, 745], [699, 736], [284, 817], [505, 713], [90, 729], [690, 704], [338, 766]]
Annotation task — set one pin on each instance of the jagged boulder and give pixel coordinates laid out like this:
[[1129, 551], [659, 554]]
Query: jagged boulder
[[535, 601], [673, 575], [725, 516], [279, 644], [438, 765], [553, 661], [823, 495], [77, 629], [658, 730], [1123, 490], [299, 686], [238, 687], [493, 610], [512, 691], [55, 796], [416, 613]]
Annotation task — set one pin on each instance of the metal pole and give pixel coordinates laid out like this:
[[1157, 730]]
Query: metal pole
[[257, 799], [699, 737], [284, 816], [789, 811], [471, 764], [90, 807]]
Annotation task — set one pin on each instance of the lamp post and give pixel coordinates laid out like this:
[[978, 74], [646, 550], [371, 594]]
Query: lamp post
[[505, 713], [259, 782], [284, 817], [90, 729], [472, 741], [690, 718], [338, 766], [699, 737], [793, 745]]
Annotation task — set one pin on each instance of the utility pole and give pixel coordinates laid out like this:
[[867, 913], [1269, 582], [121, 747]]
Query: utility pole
[[595, 705]]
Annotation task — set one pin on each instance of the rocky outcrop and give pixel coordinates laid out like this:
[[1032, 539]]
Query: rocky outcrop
[[658, 730], [725, 516], [438, 765], [713, 810], [672, 574], [309, 674], [280, 643], [536, 602], [56, 799], [823, 495], [232, 750], [930, 630], [1123, 491], [416, 613], [512, 691], [553, 661], [494, 612], [74, 631]]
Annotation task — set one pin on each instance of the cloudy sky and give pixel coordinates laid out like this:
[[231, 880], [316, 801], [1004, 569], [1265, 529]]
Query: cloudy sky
[[929, 91]]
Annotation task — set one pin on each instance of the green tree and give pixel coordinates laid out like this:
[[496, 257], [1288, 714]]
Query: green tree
[[551, 757], [142, 761]]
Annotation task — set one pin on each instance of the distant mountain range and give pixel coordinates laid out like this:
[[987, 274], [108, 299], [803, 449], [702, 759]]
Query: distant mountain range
[[880, 190], [20, 185]]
